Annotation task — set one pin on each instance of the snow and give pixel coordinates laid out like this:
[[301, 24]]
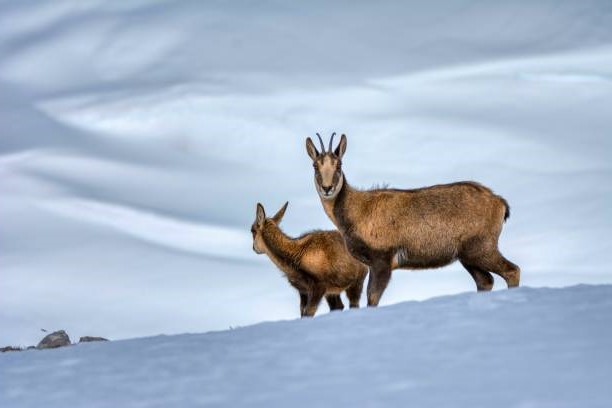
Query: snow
[[520, 348], [137, 137]]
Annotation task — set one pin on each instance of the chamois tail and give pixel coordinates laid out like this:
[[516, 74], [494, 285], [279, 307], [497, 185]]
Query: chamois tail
[[507, 206]]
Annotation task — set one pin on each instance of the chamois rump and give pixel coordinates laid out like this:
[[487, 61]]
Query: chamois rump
[[429, 227], [317, 263]]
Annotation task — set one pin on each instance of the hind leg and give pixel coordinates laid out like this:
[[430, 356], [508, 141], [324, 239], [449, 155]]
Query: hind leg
[[334, 302], [499, 265], [353, 293], [493, 261], [482, 253], [483, 279]]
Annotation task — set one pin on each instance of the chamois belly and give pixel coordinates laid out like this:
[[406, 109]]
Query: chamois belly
[[428, 253], [423, 258]]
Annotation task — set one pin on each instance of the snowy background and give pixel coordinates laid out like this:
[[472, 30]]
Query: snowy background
[[136, 138]]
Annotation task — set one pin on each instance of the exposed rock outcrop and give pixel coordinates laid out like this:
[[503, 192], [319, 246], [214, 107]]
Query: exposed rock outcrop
[[54, 340]]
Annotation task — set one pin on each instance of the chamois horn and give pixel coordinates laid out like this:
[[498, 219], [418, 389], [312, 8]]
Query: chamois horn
[[331, 141], [321, 142]]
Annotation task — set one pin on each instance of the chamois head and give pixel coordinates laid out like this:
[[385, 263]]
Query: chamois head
[[328, 166], [261, 222]]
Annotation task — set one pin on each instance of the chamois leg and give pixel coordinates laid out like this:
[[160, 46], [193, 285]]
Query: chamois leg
[[314, 298], [380, 274], [483, 279], [499, 265], [354, 294], [334, 302], [303, 302], [483, 254]]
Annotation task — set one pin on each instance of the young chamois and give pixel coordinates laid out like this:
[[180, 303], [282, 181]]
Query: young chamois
[[317, 263], [428, 227]]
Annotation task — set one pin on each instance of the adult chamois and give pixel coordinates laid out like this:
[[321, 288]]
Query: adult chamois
[[421, 228], [316, 263]]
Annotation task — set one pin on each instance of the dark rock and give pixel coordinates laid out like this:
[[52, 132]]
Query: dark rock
[[54, 340], [9, 348], [89, 339], [31, 348]]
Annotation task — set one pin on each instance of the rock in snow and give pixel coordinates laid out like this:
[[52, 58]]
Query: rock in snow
[[9, 348], [54, 340], [90, 339]]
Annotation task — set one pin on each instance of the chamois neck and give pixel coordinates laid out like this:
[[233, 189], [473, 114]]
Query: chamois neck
[[330, 205], [282, 249]]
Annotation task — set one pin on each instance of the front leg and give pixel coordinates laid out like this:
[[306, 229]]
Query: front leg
[[314, 298], [303, 303], [380, 274]]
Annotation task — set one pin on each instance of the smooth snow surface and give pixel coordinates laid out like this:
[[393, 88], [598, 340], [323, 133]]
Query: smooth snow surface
[[137, 136], [520, 348]]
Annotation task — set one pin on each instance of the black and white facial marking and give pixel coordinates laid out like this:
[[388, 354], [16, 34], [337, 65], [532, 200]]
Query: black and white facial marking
[[327, 166], [328, 176]]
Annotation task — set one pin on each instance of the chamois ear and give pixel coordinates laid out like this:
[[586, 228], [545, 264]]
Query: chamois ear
[[341, 149], [280, 214], [311, 149], [261, 215]]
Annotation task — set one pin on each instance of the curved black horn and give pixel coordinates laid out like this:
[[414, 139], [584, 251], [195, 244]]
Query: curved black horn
[[331, 142], [322, 146]]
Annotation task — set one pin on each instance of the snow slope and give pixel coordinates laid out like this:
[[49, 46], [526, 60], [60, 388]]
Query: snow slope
[[520, 348], [136, 138]]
